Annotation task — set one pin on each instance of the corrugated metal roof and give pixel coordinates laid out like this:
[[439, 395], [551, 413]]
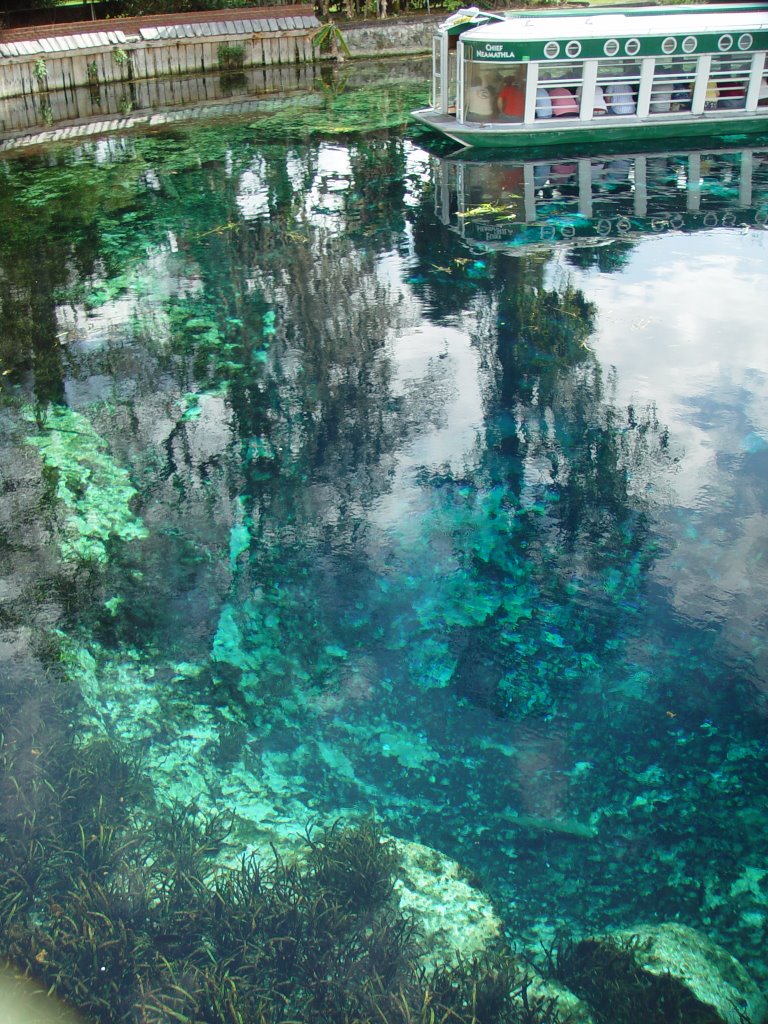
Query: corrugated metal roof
[[225, 28], [61, 44]]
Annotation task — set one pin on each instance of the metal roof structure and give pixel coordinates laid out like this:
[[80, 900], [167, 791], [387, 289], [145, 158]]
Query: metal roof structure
[[223, 28], [61, 44]]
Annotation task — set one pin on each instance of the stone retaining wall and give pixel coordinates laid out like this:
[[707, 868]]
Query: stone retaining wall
[[400, 36]]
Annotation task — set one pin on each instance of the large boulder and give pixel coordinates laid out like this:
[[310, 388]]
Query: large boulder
[[457, 921], [455, 916], [653, 974]]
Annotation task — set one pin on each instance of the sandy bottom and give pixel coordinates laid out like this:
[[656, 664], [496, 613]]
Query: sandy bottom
[[25, 1002]]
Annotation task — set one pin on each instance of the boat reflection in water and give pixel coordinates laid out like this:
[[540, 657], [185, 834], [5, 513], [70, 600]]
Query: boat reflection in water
[[505, 204]]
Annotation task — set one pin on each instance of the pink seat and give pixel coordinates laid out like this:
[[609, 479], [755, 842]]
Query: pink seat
[[563, 102]]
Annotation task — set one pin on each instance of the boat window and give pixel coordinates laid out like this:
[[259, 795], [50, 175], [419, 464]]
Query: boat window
[[452, 81], [561, 73], [729, 76], [672, 86], [559, 85], [496, 93], [618, 82], [762, 95], [481, 90]]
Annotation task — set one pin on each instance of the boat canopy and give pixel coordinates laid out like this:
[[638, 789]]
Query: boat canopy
[[468, 17], [642, 32]]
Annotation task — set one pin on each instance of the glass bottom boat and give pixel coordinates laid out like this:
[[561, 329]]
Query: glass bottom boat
[[610, 75]]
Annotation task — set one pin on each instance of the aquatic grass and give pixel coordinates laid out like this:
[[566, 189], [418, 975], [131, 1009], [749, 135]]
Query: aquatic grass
[[365, 109], [609, 976], [129, 914], [354, 867]]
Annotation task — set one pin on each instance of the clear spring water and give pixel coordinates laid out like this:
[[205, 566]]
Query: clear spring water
[[330, 509]]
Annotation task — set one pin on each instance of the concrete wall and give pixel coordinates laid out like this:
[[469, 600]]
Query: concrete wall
[[390, 36]]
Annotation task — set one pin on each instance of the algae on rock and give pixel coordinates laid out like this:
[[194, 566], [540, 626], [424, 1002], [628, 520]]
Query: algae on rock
[[94, 491]]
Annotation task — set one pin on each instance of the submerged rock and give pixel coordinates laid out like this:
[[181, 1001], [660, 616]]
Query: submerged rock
[[457, 921], [455, 917], [656, 973]]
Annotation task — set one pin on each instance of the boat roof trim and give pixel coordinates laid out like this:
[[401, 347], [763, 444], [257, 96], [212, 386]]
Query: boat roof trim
[[468, 17], [591, 27], [599, 21]]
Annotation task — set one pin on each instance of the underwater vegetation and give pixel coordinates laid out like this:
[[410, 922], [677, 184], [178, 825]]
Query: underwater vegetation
[[345, 112], [94, 492], [125, 913], [126, 910]]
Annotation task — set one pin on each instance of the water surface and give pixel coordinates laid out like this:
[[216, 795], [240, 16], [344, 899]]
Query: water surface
[[331, 507]]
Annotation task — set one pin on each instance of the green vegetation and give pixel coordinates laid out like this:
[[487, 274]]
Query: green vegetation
[[345, 112], [611, 979], [330, 39], [345, 10], [125, 914], [231, 57]]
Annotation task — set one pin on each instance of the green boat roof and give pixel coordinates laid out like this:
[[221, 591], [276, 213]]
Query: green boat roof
[[622, 20]]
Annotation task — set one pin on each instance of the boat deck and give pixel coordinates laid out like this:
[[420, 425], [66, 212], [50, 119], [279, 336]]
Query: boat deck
[[504, 134]]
